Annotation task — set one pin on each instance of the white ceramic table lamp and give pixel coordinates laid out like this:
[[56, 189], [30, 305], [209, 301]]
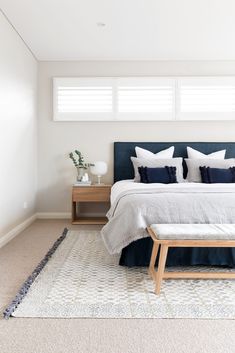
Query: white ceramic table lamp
[[99, 168]]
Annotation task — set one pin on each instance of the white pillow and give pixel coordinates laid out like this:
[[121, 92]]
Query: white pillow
[[159, 163], [142, 153], [194, 174], [194, 154]]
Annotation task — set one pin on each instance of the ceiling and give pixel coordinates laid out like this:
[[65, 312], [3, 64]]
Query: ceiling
[[134, 29]]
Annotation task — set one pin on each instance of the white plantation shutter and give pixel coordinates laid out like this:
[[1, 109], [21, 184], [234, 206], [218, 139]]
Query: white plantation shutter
[[145, 98], [83, 98], [206, 98]]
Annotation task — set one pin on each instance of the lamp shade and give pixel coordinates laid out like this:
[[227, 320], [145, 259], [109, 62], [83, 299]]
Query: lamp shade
[[99, 168]]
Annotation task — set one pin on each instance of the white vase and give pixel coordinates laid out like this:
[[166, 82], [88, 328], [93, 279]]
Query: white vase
[[80, 172]]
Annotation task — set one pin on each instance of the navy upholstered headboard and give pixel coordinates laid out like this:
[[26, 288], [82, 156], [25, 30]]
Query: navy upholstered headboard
[[124, 150]]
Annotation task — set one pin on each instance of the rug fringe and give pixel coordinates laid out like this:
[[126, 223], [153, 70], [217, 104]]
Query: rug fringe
[[29, 281]]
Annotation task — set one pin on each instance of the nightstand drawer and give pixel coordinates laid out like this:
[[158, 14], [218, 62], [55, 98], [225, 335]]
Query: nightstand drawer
[[94, 194]]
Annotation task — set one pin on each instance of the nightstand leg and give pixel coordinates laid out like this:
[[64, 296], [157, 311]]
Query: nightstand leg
[[74, 211]]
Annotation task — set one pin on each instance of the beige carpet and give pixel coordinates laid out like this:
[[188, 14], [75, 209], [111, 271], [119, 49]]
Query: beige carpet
[[18, 259]]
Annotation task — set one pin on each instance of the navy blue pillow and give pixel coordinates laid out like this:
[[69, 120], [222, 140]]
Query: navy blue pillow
[[142, 173], [166, 175], [217, 175]]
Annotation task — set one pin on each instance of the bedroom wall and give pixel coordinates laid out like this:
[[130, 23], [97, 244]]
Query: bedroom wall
[[18, 136], [95, 139]]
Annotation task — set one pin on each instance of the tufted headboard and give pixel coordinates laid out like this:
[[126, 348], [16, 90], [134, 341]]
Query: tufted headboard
[[124, 150]]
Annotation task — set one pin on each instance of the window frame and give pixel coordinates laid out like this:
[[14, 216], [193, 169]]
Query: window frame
[[116, 116]]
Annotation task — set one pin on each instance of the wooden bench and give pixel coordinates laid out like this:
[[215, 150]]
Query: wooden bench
[[187, 235]]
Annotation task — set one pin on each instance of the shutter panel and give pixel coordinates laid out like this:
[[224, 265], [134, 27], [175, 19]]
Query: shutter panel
[[149, 97], [83, 98], [207, 98]]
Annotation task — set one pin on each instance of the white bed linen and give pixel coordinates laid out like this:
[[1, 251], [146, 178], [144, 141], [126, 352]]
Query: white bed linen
[[131, 185], [134, 206]]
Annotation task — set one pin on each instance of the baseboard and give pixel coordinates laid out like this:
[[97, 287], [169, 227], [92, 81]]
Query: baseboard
[[16, 230], [22, 226], [53, 215]]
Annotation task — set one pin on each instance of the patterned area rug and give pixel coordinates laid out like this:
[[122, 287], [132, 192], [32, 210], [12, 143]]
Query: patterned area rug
[[79, 279]]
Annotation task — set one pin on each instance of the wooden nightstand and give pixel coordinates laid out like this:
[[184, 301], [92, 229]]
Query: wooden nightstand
[[91, 193]]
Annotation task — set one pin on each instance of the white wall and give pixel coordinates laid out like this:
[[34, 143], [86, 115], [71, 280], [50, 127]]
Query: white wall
[[95, 139], [18, 136]]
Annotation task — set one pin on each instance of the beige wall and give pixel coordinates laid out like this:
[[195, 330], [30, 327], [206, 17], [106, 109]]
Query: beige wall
[[95, 139], [18, 111]]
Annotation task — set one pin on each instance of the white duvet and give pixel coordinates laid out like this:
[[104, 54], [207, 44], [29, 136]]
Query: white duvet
[[134, 206]]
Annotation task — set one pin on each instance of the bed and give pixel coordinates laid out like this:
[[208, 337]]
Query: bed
[[136, 205]]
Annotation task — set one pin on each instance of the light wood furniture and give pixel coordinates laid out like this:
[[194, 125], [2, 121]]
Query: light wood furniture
[[90, 193], [164, 244]]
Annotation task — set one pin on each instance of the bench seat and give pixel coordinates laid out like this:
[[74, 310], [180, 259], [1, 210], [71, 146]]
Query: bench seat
[[194, 231], [187, 235]]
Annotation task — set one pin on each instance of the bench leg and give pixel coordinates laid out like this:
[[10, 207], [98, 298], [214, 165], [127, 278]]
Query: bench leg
[[153, 260], [161, 267]]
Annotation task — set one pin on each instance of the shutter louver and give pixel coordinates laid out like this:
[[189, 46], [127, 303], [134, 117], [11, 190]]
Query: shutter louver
[[84, 99]]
